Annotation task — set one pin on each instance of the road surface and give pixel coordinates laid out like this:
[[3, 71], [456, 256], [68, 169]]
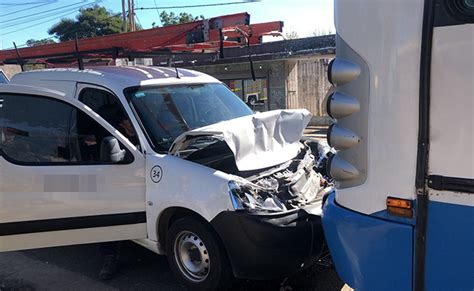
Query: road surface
[[77, 267]]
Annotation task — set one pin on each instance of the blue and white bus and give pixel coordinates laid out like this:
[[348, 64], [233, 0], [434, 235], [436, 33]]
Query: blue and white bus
[[402, 217]]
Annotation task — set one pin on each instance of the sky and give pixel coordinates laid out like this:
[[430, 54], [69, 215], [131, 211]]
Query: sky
[[21, 20]]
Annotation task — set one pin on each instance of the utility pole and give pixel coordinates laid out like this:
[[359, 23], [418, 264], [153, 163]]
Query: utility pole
[[124, 17], [131, 15]]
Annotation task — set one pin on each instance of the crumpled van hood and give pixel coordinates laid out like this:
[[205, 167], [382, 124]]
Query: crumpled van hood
[[257, 141]]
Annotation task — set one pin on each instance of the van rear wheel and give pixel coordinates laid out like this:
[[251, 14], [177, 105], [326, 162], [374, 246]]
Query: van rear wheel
[[196, 257]]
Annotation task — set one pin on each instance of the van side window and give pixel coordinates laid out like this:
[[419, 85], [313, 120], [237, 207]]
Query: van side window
[[40, 130], [109, 108]]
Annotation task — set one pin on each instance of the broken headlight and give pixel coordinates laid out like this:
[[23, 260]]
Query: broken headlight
[[251, 197]]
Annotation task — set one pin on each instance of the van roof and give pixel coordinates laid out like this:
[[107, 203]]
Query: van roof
[[31, 90], [116, 77]]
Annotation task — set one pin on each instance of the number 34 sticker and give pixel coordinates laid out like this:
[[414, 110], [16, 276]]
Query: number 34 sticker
[[156, 174]]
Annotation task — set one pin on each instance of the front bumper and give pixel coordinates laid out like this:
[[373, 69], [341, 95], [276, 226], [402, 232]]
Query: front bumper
[[270, 246]]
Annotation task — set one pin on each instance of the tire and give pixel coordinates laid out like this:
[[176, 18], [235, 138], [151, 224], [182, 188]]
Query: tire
[[196, 257]]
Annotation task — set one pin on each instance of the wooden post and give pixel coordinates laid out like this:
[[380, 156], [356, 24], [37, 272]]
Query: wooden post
[[131, 15]]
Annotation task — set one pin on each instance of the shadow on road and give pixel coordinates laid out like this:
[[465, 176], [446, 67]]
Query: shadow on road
[[77, 267]]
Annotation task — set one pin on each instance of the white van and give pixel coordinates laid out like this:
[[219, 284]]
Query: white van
[[170, 159]]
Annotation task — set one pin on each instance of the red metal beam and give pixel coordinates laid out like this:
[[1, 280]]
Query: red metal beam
[[143, 39], [172, 38]]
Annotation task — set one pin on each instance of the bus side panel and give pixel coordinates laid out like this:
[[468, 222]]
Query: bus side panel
[[449, 254], [369, 253], [449, 247]]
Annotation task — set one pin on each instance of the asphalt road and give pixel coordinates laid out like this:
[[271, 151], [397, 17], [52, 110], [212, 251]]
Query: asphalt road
[[77, 267]]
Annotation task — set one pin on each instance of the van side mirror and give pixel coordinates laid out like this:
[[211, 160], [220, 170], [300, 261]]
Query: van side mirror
[[110, 150]]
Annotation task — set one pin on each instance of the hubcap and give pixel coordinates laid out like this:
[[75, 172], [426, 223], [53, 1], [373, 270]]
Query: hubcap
[[191, 256]]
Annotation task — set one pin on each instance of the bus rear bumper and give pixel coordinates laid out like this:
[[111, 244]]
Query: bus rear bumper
[[369, 253]]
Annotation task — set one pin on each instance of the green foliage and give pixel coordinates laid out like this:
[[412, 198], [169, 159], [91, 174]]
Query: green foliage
[[91, 22], [172, 19], [35, 42]]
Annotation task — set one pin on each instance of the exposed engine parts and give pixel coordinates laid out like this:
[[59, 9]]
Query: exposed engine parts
[[294, 184]]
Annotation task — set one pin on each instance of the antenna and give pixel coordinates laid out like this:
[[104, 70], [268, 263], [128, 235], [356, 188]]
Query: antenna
[[176, 69], [19, 60], [171, 62]]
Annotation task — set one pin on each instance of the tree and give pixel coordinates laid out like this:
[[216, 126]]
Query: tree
[[172, 19], [91, 22], [35, 42], [291, 35]]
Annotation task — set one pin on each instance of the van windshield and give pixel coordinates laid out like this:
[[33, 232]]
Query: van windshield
[[168, 111]]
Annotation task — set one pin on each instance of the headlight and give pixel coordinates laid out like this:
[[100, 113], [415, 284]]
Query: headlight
[[247, 196], [234, 190]]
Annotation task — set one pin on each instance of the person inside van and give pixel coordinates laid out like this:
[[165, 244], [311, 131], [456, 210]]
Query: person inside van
[[125, 127]]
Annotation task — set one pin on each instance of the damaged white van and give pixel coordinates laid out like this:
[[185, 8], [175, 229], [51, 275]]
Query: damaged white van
[[170, 159]]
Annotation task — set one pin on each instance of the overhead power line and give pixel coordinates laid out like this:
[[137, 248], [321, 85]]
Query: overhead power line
[[25, 9], [73, 31], [39, 16], [195, 5], [26, 3], [49, 19]]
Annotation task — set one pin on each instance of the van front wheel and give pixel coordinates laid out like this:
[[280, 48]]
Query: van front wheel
[[195, 255]]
